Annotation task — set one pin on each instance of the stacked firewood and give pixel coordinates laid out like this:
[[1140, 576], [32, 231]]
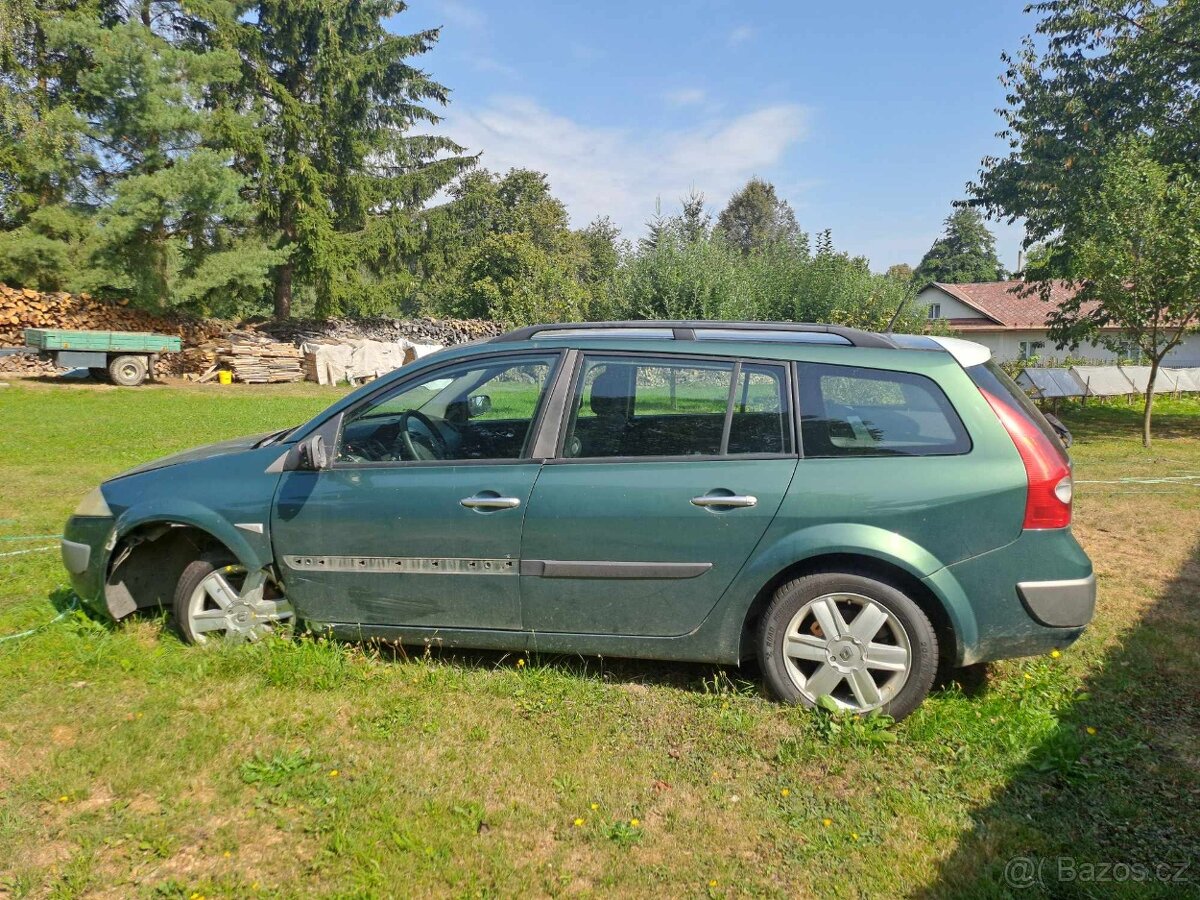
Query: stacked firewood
[[22, 308], [443, 332]]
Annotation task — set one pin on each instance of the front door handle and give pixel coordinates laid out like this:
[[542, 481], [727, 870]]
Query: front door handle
[[738, 501], [483, 501]]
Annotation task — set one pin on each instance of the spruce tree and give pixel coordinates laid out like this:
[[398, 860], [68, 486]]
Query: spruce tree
[[966, 252], [343, 175]]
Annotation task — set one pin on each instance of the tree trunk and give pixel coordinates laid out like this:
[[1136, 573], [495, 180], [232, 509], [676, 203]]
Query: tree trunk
[[1149, 402], [285, 272], [283, 291]]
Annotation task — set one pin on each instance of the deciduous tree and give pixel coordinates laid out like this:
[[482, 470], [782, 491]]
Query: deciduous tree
[[756, 217], [1135, 250]]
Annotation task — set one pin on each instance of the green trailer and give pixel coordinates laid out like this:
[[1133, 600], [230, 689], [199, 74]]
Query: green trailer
[[122, 357]]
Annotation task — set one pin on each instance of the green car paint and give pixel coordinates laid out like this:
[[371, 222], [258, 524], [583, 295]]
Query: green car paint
[[607, 557]]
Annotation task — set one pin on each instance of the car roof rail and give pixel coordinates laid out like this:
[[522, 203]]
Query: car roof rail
[[685, 330]]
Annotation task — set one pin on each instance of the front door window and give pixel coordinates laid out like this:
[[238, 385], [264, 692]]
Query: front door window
[[476, 411]]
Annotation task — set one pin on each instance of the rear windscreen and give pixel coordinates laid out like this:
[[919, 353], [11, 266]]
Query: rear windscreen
[[991, 378]]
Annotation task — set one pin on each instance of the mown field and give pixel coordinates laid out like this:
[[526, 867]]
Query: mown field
[[131, 765]]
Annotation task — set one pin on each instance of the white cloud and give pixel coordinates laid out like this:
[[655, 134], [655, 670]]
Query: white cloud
[[741, 34], [619, 172], [685, 96]]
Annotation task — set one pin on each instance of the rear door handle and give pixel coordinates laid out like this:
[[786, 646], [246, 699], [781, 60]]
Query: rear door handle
[[486, 502], [732, 500]]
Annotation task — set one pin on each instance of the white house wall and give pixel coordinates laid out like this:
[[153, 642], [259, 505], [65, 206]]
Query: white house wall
[[1006, 345], [951, 307]]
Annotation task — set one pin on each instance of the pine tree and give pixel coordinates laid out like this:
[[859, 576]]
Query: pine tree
[[174, 227], [42, 152], [966, 252], [342, 175]]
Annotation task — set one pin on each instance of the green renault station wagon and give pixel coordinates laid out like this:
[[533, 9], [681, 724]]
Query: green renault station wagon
[[854, 509]]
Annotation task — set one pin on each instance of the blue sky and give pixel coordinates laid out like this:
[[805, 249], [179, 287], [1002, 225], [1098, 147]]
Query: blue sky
[[869, 117]]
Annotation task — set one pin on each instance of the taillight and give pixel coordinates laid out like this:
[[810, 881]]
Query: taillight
[[1048, 501]]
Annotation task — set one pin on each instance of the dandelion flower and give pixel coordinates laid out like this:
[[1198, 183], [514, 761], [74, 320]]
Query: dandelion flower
[[1055, 654], [520, 663], [713, 883], [595, 806], [634, 823], [63, 799], [579, 823], [334, 773], [827, 822], [227, 854], [1028, 677], [785, 793], [854, 835], [1091, 729]]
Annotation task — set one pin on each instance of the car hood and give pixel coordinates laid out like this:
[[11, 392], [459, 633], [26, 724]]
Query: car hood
[[207, 451]]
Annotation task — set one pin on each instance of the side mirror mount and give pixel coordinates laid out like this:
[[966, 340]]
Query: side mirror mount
[[480, 404], [311, 455]]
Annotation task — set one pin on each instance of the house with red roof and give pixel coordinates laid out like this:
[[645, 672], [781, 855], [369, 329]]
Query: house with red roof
[[1012, 322]]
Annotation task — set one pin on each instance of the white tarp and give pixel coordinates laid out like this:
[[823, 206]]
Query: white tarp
[[1050, 383], [1140, 378], [1187, 379], [1103, 381], [359, 359]]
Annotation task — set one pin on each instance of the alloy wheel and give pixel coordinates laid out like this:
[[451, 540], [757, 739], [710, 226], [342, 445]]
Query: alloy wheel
[[848, 647], [231, 604]]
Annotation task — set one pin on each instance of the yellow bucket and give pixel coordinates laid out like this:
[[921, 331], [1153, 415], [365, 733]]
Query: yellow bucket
[[225, 377]]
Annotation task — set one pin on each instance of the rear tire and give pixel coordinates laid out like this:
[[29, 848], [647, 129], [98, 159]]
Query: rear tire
[[128, 371], [860, 641]]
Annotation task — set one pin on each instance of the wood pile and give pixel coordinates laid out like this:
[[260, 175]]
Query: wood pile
[[22, 308], [444, 332], [252, 358]]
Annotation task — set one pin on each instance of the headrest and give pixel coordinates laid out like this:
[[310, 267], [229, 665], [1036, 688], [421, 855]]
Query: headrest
[[612, 391]]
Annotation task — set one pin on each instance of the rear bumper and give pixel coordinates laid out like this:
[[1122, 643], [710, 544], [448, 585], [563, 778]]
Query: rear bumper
[[1029, 597], [1059, 604]]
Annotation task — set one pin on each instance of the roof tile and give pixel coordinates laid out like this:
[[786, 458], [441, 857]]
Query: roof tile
[[1012, 304]]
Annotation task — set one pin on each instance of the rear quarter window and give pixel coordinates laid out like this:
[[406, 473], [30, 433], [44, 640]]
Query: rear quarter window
[[853, 411]]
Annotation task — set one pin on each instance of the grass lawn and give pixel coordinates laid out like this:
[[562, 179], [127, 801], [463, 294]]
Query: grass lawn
[[131, 765]]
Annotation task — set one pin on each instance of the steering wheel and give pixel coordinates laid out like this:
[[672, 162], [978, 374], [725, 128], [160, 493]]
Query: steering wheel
[[416, 447]]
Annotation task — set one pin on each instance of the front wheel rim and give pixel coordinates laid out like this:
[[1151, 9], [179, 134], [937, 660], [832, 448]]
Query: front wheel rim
[[848, 647], [230, 604]]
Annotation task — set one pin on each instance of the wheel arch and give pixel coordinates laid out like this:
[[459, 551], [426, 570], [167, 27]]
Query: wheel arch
[[149, 551], [948, 630]]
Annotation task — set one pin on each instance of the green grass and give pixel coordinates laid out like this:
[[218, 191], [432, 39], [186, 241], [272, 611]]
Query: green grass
[[131, 765]]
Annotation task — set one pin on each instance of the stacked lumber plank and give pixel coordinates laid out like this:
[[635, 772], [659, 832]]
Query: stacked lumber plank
[[256, 359]]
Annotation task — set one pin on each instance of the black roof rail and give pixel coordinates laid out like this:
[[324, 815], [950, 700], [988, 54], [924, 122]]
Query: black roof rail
[[685, 330]]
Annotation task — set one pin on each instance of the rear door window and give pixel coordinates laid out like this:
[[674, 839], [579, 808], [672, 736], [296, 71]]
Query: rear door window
[[853, 411], [649, 407]]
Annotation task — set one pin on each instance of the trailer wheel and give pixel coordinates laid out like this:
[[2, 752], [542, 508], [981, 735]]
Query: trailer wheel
[[99, 374], [127, 371]]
